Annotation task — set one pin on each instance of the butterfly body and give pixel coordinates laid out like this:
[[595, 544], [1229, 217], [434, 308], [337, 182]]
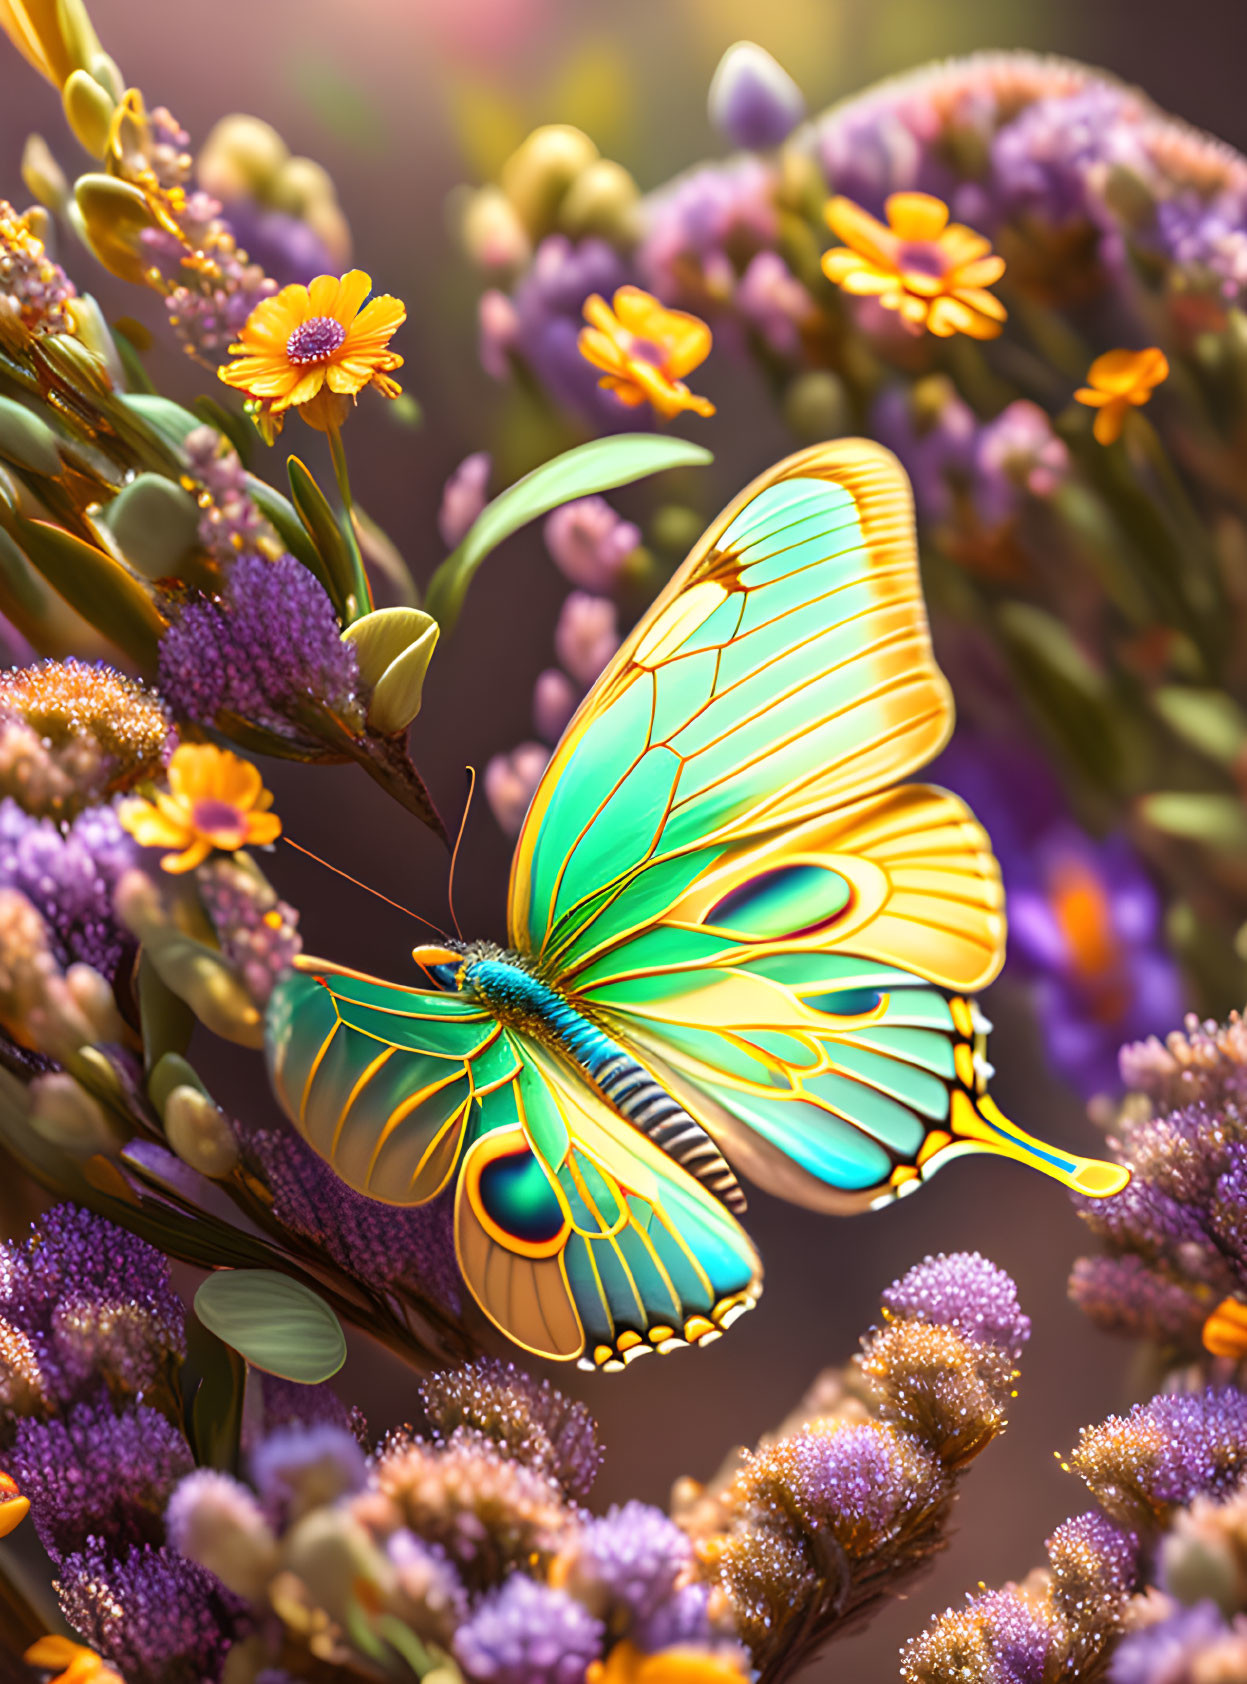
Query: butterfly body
[[737, 937]]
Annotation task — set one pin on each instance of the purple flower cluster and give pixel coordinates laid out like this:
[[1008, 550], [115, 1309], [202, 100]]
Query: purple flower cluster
[[965, 1291], [1176, 1461], [270, 646], [159, 1618], [95, 1474], [258, 932], [69, 874], [229, 522], [530, 1418], [35, 288], [528, 1633], [384, 1246], [82, 1301], [1175, 1237]]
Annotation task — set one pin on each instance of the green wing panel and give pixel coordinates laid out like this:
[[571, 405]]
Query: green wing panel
[[380, 1079]]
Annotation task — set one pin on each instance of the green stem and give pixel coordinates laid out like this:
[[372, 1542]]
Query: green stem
[[361, 591]]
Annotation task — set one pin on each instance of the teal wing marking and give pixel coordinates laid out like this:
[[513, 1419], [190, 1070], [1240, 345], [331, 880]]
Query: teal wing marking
[[381, 1079], [579, 1238]]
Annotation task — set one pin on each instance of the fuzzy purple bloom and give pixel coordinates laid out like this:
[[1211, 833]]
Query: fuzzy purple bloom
[[89, 1300], [528, 1633], [962, 1289], [1192, 1444], [271, 645], [1126, 1296], [70, 875], [1094, 1537], [547, 319], [1053, 159], [98, 1475], [700, 214], [936, 447], [230, 523], [1015, 456], [298, 1468], [629, 1560], [286, 1403], [854, 1480], [1020, 1639], [683, 1620], [384, 1246], [1166, 1652], [529, 1418], [284, 246], [159, 1618], [753, 100]]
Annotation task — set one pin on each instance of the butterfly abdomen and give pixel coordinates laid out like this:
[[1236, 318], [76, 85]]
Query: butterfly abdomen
[[527, 1002]]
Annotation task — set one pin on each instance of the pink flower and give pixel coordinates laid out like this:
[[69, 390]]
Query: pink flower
[[586, 636], [589, 543], [510, 780], [463, 497], [554, 701]]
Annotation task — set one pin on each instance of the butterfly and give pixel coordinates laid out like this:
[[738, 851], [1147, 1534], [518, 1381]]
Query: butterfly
[[739, 945]]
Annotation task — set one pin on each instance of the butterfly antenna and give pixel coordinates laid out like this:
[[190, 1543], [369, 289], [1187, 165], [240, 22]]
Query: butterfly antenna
[[454, 858], [299, 848]]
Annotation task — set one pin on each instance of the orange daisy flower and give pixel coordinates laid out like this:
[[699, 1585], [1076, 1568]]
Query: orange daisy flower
[[13, 1506], [314, 348], [645, 350], [216, 800], [72, 1662], [933, 272], [1225, 1331], [1120, 381]]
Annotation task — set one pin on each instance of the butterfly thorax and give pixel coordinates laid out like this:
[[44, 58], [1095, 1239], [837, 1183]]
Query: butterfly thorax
[[505, 983]]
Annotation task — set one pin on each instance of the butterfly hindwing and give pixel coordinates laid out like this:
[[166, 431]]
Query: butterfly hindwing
[[576, 1235], [602, 1252]]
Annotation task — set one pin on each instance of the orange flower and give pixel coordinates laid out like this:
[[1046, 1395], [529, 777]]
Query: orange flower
[[73, 1662], [1225, 1331], [685, 1664], [312, 348], [13, 1506], [933, 272], [1121, 380], [645, 349], [215, 800]]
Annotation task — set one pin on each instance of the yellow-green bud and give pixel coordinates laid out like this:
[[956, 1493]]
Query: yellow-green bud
[[602, 200], [240, 158], [541, 169], [65, 1115], [199, 1132]]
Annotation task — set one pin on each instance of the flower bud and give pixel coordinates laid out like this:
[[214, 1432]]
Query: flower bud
[[240, 157], [602, 200], [493, 235], [217, 1522], [42, 176], [753, 100], [816, 405], [89, 111], [65, 1115], [199, 1132], [541, 169], [332, 1554]]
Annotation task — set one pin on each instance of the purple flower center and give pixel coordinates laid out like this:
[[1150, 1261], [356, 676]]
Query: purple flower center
[[212, 815], [921, 257], [315, 340], [648, 352]]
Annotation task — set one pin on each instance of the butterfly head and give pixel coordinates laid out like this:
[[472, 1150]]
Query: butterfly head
[[442, 963]]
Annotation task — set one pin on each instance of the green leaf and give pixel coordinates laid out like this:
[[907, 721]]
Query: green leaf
[[600, 465], [156, 525], [105, 593], [216, 1413], [236, 428], [165, 1019], [1218, 821], [273, 1321], [167, 420], [281, 515], [1208, 720], [316, 513]]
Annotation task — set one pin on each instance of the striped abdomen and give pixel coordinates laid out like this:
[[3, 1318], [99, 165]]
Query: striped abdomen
[[518, 996]]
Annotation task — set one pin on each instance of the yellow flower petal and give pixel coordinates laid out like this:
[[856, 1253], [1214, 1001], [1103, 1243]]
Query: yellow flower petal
[[380, 317], [263, 828], [1109, 420], [857, 228], [195, 855], [353, 288], [915, 216], [322, 294]]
